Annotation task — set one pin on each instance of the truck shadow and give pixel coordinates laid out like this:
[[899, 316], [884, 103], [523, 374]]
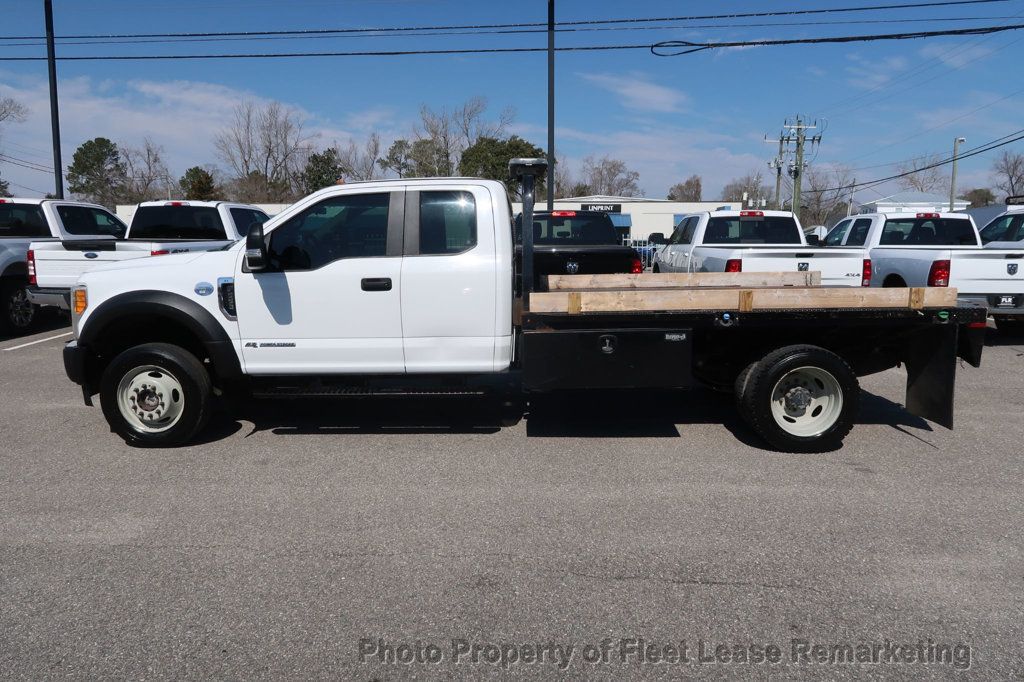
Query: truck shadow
[[595, 414], [994, 337], [46, 322]]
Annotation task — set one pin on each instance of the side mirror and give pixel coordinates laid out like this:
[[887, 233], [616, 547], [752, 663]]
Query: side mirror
[[656, 238], [813, 240], [256, 248]]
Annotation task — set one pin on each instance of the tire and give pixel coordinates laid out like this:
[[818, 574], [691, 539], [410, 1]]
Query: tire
[[174, 386], [16, 313], [894, 282], [1010, 327], [783, 417], [740, 389]]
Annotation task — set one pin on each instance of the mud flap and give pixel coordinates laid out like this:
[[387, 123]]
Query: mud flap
[[931, 373]]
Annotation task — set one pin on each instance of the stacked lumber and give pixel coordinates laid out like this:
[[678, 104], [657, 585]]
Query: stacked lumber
[[720, 291]]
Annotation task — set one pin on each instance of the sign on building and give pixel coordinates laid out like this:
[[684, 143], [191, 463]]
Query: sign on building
[[604, 208]]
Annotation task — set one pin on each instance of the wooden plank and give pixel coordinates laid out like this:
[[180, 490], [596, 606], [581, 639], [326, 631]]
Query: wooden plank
[[684, 279], [632, 300], [848, 297], [744, 300]]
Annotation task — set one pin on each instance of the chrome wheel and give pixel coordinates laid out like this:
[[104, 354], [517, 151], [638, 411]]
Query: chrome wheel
[[807, 401], [19, 309], [150, 399]]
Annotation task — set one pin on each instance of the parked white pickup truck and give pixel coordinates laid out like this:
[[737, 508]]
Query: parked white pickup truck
[[158, 228], [938, 250], [408, 287], [755, 241], [1006, 231], [24, 221]]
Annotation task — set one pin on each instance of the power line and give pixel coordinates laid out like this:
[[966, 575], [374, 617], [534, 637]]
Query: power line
[[686, 47], [591, 22], [682, 47], [373, 33], [24, 163], [1018, 136]]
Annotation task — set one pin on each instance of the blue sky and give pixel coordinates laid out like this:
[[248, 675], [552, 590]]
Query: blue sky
[[666, 117]]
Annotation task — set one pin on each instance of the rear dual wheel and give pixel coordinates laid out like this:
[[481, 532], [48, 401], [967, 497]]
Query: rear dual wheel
[[799, 398]]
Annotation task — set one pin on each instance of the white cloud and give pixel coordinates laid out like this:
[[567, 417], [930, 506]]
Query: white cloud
[[868, 74], [956, 57], [636, 91], [181, 116]]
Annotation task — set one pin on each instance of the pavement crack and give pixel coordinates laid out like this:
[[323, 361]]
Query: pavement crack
[[701, 582]]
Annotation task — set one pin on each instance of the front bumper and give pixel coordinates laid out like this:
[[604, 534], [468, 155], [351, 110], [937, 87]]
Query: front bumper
[[75, 362], [995, 303], [59, 298]]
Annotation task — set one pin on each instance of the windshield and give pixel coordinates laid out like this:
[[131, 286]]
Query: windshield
[[928, 232], [573, 228], [1007, 228], [752, 230], [177, 222]]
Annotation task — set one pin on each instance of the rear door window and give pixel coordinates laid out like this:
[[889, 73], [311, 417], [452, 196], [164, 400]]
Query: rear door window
[[928, 232], [177, 222], [86, 220], [859, 232], [447, 222], [22, 220], [245, 217]]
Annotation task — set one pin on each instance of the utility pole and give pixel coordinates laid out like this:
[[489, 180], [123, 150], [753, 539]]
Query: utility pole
[[51, 59], [777, 164], [952, 181], [853, 193], [551, 105], [796, 169]]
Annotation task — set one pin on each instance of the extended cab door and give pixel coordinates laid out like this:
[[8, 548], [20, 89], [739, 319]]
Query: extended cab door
[[676, 256], [453, 282], [330, 301]]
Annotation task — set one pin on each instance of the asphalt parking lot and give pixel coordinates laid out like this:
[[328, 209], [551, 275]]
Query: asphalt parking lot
[[284, 538]]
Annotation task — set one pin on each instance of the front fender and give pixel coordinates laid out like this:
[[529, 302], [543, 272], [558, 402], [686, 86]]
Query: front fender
[[173, 307]]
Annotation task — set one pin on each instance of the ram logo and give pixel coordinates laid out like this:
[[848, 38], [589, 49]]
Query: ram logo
[[803, 267], [1011, 268], [572, 267]]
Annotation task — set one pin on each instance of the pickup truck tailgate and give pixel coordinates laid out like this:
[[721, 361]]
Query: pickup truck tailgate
[[61, 264], [838, 267], [988, 271]]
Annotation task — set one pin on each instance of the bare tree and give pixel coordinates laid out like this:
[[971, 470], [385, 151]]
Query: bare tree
[[266, 149], [147, 176], [825, 196], [14, 111], [688, 190], [611, 177], [751, 187], [443, 135], [1008, 170], [922, 178], [361, 163]]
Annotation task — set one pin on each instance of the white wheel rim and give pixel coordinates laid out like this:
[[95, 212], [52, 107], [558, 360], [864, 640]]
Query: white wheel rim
[[807, 402], [150, 399]]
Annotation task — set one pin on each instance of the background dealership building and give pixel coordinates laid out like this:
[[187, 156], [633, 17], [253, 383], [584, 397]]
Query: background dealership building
[[637, 216]]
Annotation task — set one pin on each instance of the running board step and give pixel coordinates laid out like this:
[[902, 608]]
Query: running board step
[[357, 392]]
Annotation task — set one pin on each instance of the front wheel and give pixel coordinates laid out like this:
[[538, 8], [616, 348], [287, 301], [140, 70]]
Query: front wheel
[[16, 312], [800, 398], [156, 395]]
